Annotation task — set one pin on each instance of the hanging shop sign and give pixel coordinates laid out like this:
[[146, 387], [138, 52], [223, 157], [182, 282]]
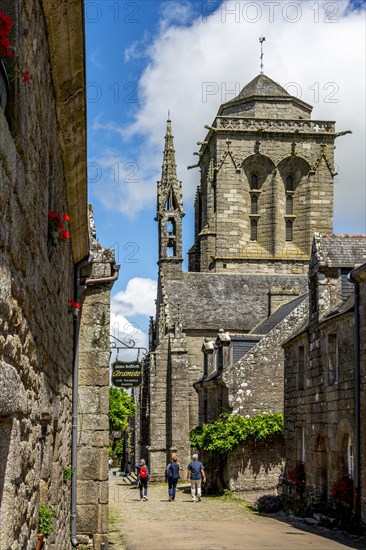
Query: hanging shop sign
[[126, 374]]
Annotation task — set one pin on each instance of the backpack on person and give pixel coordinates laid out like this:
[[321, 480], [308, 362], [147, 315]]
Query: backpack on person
[[143, 472]]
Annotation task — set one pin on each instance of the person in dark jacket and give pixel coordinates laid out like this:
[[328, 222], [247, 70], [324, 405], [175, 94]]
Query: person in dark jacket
[[172, 474]]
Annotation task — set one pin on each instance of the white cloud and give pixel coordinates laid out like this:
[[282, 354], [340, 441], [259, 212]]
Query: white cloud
[[138, 298], [119, 182], [129, 334], [177, 13], [321, 51], [137, 50]]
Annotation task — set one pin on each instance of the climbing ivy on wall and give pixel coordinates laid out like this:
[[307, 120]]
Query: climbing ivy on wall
[[229, 431]]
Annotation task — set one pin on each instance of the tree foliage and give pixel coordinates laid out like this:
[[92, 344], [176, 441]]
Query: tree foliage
[[121, 407], [229, 431]]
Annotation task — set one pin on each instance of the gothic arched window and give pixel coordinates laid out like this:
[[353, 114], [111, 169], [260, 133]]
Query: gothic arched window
[[289, 204], [253, 230], [254, 204], [170, 251], [289, 183], [289, 228], [170, 226], [254, 181]]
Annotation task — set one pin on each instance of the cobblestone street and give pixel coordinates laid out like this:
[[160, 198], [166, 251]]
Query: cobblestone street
[[216, 523]]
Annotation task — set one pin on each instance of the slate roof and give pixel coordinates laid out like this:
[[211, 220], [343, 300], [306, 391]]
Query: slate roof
[[279, 315], [341, 250], [234, 302], [262, 85], [263, 88]]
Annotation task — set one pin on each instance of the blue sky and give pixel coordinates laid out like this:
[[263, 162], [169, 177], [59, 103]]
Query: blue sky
[[145, 57]]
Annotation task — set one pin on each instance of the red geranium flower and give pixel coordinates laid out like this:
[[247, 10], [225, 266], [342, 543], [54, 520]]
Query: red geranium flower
[[26, 77], [73, 307], [66, 217], [56, 229], [5, 24]]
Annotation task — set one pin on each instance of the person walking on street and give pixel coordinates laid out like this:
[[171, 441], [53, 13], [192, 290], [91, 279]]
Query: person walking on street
[[196, 474], [172, 474], [143, 474]]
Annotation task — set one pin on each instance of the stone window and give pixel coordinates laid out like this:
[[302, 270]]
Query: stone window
[[253, 230], [289, 230], [289, 183], [332, 352], [254, 181], [300, 444], [301, 368], [350, 457], [171, 203], [254, 204], [289, 205], [170, 250], [170, 226]]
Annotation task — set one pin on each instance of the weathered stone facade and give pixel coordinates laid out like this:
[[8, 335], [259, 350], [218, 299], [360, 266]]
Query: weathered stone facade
[[42, 168], [266, 185], [320, 373], [93, 390], [250, 470]]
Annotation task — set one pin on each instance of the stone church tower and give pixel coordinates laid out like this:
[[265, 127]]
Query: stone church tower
[[266, 186], [170, 211]]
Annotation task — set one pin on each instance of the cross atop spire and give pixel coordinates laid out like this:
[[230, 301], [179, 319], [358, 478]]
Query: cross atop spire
[[261, 40]]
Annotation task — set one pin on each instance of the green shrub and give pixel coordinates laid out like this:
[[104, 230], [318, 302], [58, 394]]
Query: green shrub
[[229, 431], [68, 473], [46, 515]]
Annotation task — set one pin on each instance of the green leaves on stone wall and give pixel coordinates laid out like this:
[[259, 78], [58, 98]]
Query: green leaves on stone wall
[[229, 431]]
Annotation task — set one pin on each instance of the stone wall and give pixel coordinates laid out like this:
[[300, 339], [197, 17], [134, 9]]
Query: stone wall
[[170, 410], [93, 432], [256, 382], [362, 284], [320, 385], [253, 468], [36, 280]]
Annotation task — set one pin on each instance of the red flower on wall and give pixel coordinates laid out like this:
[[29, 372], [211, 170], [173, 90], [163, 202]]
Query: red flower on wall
[[73, 307], [7, 50], [5, 27], [56, 229]]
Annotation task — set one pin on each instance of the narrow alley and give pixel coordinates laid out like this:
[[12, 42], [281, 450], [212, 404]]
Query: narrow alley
[[215, 523]]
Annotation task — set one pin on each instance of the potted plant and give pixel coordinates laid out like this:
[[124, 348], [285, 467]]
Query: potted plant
[[46, 515]]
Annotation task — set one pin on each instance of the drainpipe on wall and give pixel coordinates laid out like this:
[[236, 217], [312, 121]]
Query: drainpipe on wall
[[104, 280], [357, 475], [79, 290]]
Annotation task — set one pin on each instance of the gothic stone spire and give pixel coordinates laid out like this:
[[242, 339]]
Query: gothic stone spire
[[170, 209]]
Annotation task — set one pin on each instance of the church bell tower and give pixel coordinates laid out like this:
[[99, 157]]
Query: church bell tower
[[170, 211]]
